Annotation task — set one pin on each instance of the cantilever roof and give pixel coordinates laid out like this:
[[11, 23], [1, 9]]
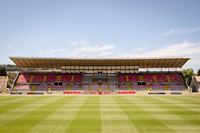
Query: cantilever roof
[[43, 62]]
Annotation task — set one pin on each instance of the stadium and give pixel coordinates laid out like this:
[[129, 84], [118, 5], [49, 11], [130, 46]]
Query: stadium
[[99, 76], [99, 66], [79, 95]]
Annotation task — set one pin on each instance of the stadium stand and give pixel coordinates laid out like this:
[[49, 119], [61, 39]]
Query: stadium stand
[[97, 76], [154, 81], [45, 81], [105, 82]]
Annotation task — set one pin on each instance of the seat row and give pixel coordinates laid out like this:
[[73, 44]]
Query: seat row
[[40, 78], [173, 77]]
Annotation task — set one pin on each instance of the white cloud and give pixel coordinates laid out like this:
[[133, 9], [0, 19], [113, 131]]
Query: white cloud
[[93, 50], [185, 48], [82, 42], [52, 53], [182, 30], [81, 48], [89, 50]]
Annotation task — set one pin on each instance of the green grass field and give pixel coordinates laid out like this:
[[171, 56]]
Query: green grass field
[[99, 114]]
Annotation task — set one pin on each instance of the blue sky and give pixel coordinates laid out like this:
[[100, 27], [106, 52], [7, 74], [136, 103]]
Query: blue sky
[[100, 28]]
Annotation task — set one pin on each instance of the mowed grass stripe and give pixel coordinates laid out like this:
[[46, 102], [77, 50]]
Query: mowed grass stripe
[[11, 100], [59, 120], [17, 103], [140, 118], [196, 98], [114, 119], [162, 112], [7, 98], [182, 111], [88, 118], [18, 112], [179, 114], [182, 105], [25, 122], [184, 101]]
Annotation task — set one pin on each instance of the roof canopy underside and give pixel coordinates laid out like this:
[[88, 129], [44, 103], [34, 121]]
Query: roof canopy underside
[[29, 62]]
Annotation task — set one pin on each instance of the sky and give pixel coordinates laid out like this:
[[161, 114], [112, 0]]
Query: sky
[[100, 29]]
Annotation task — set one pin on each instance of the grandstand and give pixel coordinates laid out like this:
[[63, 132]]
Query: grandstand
[[107, 76]]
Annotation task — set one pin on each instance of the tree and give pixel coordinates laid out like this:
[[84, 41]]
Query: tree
[[188, 73], [2, 71], [198, 73]]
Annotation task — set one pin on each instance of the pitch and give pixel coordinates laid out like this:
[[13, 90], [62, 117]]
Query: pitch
[[99, 114]]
